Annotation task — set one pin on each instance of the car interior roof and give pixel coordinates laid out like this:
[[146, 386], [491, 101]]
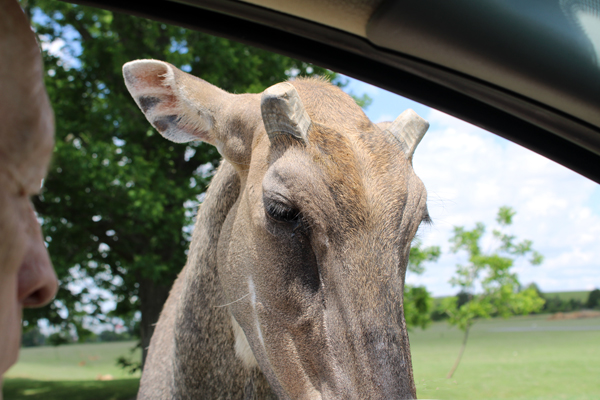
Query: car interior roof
[[527, 71]]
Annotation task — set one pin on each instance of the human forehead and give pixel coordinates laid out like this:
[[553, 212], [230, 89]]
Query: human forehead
[[26, 119]]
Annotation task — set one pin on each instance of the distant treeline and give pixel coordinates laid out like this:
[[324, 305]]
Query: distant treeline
[[34, 337], [555, 302]]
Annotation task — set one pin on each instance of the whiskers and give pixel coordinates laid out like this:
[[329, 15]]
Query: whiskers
[[235, 301]]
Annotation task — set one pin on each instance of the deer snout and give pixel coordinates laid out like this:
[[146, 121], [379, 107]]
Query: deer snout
[[370, 358]]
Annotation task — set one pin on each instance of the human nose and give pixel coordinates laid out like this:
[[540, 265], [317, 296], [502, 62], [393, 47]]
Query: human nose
[[37, 282]]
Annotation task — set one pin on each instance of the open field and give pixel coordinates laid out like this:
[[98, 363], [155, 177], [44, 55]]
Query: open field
[[519, 358], [70, 373], [72, 362]]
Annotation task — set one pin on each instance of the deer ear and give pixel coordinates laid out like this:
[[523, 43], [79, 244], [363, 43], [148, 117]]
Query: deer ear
[[409, 128], [180, 106]]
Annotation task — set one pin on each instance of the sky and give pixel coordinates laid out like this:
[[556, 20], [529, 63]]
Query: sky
[[469, 173]]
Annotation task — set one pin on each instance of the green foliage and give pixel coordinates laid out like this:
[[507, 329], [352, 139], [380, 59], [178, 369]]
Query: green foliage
[[85, 335], [419, 256], [59, 338], [438, 312], [363, 101], [119, 199], [417, 306], [33, 337], [131, 363], [418, 302], [593, 300], [491, 271], [112, 336], [555, 304], [561, 301], [505, 215]]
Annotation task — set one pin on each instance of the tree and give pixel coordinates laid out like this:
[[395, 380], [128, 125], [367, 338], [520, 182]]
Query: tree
[[59, 338], [500, 293], [33, 337], [119, 200], [593, 300], [417, 300]]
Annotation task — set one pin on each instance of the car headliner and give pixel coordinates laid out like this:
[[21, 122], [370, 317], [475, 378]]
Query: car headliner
[[528, 71]]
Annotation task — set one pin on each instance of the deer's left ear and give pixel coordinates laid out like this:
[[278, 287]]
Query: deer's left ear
[[180, 106]]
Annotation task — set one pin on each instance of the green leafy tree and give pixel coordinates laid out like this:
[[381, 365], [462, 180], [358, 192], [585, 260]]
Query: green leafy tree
[[118, 201], [593, 300], [33, 337], [500, 293], [417, 300], [59, 338]]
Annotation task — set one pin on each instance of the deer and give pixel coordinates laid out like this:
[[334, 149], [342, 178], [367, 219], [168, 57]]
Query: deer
[[293, 287]]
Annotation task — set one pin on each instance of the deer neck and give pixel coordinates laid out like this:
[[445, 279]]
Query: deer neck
[[193, 350]]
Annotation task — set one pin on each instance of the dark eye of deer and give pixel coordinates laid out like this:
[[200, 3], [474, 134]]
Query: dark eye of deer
[[281, 212]]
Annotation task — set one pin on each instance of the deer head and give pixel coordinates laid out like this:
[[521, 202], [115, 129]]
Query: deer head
[[313, 254]]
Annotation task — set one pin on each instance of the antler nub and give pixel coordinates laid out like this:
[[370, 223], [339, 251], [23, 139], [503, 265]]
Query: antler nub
[[283, 112], [409, 128]]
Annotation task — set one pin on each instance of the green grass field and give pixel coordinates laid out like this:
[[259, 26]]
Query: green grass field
[[70, 373], [519, 358]]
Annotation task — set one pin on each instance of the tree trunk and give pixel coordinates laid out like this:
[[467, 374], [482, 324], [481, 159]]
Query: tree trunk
[[462, 350], [152, 298]]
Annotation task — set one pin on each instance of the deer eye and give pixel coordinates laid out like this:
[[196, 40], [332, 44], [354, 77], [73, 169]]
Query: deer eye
[[281, 212]]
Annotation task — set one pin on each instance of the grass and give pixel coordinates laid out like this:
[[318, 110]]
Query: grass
[[519, 358], [70, 373], [31, 389], [72, 362]]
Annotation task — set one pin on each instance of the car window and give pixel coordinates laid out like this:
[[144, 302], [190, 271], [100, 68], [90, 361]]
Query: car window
[[469, 174]]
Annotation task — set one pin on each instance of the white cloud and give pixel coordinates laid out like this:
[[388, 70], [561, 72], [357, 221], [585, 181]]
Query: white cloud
[[470, 173]]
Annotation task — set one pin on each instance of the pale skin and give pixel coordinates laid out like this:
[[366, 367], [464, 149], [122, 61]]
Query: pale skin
[[27, 278]]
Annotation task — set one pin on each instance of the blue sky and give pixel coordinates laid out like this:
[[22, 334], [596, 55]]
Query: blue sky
[[469, 173]]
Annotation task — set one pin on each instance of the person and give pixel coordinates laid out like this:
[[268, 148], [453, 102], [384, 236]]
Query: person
[[27, 278]]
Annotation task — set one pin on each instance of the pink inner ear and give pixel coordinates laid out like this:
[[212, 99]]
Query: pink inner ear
[[144, 74], [150, 77], [152, 84], [148, 83]]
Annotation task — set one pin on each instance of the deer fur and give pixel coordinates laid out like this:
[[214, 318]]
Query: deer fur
[[294, 281]]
